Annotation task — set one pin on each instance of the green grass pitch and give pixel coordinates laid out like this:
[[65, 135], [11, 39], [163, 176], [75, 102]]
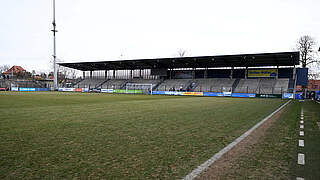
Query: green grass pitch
[[108, 136]]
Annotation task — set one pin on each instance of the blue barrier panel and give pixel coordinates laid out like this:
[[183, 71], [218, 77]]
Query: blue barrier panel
[[299, 95], [287, 96], [14, 89], [42, 89], [176, 93], [27, 89], [245, 95], [317, 95], [213, 94], [158, 92]]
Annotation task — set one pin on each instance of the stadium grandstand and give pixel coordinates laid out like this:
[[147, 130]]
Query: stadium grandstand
[[265, 73]]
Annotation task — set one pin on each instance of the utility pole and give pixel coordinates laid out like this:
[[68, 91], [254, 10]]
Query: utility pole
[[55, 74]]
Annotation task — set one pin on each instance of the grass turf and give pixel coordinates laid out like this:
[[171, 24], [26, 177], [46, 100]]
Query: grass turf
[[273, 155], [71, 135], [311, 149]]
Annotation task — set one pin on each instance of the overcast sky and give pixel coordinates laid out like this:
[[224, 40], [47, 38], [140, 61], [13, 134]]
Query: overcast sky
[[94, 30]]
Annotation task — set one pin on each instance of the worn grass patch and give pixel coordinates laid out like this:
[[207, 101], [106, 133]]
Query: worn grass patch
[[71, 135], [266, 154]]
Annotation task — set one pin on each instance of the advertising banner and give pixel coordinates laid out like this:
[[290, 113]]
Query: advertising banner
[[106, 90], [175, 93], [262, 72], [246, 95], [14, 89], [42, 89], [287, 95], [85, 89], [269, 95], [129, 91], [66, 89], [78, 89], [158, 92], [192, 93], [27, 89], [226, 94], [217, 94]]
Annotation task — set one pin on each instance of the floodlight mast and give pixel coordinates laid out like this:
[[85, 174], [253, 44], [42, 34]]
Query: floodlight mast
[[55, 74]]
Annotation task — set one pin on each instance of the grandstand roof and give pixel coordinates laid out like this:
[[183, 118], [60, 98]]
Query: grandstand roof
[[241, 60]]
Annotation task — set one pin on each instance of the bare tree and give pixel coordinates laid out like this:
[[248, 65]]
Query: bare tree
[[182, 52], [306, 46], [4, 68]]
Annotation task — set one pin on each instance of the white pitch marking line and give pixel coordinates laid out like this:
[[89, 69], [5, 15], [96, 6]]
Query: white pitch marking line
[[301, 159], [301, 126], [301, 122], [301, 133], [300, 178], [301, 143], [215, 157]]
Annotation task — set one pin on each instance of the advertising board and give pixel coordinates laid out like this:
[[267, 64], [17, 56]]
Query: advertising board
[[262, 72], [245, 95], [27, 89], [192, 93], [268, 95], [287, 96], [106, 90]]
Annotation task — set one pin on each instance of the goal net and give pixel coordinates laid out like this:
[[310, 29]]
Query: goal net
[[135, 88]]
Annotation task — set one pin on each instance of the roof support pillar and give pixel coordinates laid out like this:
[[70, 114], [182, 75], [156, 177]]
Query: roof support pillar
[[246, 73], [206, 73], [295, 81], [193, 73], [90, 74], [231, 72], [140, 74], [106, 74], [130, 74], [84, 74], [114, 74]]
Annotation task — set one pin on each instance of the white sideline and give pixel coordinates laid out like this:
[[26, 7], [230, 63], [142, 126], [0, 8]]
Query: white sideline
[[301, 160], [301, 133], [301, 143], [215, 157]]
